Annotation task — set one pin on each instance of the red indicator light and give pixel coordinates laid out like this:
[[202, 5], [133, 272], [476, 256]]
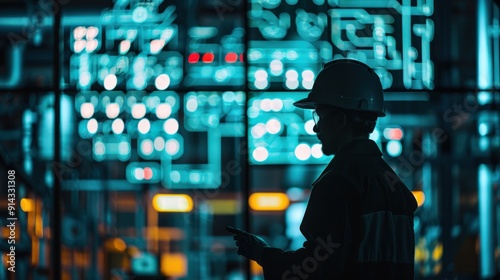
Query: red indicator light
[[231, 57], [194, 57], [148, 173], [393, 133], [208, 58], [241, 57]]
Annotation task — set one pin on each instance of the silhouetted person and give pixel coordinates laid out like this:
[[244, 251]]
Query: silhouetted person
[[359, 219]]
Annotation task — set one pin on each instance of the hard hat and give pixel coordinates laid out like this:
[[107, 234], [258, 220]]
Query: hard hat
[[346, 84]]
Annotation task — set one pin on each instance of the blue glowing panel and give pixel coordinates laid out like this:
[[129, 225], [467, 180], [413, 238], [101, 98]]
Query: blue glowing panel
[[130, 47], [280, 133], [213, 115], [151, 133], [213, 60], [290, 37]]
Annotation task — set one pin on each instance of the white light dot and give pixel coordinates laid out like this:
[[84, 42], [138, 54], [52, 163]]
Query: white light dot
[[112, 110], [99, 148], [308, 75], [261, 84], [172, 147], [260, 154], [273, 126], [191, 104], [171, 126], [292, 84], [258, 130], [309, 126], [124, 46], [159, 143], [79, 32], [91, 45], [228, 96], [162, 81], [139, 173], [147, 147], [110, 82], [316, 151], [261, 75], [276, 67], [92, 32], [266, 105], [138, 110], [292, 75], [84, 78], [302, 151], [307, 84], [118, 126], [163, 111], [87, 110], [123, 148], [277, 104], [92, 126], [143, 126]]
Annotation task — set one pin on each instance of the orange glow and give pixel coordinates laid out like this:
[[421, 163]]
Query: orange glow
[[172, 203], [419, 196], [119, 244], [173, 265], [268, 201], [255, 268], [27, 204]]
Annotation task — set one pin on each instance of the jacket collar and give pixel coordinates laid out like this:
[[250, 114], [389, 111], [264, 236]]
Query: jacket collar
[[359, 147]]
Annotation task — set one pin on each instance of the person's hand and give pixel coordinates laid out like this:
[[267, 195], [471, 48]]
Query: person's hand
[[249, 245]]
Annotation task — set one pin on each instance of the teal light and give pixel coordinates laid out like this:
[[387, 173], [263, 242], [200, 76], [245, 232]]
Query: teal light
[[191, 104], [123, 148], [140, 14], [394, 148], [483, 129]]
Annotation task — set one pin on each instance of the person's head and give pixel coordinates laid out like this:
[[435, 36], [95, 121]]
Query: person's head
[[347, 98]]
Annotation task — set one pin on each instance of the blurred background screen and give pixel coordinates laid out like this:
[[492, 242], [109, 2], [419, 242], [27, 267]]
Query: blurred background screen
[[136, 130]]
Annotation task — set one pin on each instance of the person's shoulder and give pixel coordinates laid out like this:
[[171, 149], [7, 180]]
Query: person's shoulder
[[332, 182]]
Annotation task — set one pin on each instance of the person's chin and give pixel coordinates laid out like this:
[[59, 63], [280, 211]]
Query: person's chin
[[327, 151]]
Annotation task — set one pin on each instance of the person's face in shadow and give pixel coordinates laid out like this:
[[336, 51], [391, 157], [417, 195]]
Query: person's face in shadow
[[330, 129]]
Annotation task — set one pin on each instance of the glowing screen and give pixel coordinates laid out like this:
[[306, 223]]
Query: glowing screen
[[291, 39]]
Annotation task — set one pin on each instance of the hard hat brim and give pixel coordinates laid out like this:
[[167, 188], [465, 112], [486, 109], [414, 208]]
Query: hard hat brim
[[305, 104]]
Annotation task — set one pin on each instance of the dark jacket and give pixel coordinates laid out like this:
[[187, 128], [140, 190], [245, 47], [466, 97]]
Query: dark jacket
[[358, 223]]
